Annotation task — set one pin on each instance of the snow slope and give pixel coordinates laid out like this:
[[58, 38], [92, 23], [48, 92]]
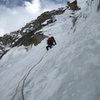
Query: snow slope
[[69, 71]]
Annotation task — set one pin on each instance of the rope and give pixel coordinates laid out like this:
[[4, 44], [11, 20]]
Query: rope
[[28, 75], [17, 89], [24, 79]]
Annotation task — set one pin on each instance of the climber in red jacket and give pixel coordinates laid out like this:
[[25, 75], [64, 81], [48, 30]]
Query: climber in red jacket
[[50, 42]]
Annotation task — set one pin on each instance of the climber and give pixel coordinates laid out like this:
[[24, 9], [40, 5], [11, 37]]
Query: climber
[[50, 42]]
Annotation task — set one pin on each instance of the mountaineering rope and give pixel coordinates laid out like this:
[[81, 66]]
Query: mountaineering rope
[[24, 78], [28, 75], [19, 84], [17, 88]]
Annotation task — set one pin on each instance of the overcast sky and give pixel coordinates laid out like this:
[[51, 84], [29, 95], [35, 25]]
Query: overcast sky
[[12, 19]]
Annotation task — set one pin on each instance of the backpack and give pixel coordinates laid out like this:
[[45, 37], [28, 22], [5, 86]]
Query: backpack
[[49, 38], [50, 41]]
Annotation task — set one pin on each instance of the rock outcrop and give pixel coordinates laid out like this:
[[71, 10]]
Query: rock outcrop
[[73, 5]]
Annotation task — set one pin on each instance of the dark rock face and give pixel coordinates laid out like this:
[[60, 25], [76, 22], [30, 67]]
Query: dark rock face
[[73, 5], [38, 37], [7, 40], [98, 7], [2, 48]]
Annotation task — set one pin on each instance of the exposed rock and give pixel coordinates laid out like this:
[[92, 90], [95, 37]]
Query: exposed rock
[[73, 5], [38, 38], [98, 7], [2, 54], [59, 11], [7, 40]]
